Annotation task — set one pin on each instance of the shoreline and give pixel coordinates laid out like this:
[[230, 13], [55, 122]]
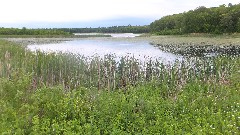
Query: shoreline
[[180, 45]]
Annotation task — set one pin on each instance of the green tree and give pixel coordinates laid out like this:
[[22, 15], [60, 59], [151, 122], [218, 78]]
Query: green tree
[[227, 23], [218, 20], [238, 25]]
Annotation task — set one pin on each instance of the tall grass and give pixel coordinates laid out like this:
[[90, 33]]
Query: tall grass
[[72, 70], [64, 93]]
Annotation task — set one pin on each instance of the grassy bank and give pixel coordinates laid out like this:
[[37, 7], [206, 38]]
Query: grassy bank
[[69, 94]]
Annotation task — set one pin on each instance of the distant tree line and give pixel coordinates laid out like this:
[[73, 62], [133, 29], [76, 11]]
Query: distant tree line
[[69, 31], [113, 29], [25, 31], [217, 20]]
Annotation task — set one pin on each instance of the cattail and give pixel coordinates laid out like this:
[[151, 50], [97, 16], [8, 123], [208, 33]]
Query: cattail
[[99, 76], [7, 55]]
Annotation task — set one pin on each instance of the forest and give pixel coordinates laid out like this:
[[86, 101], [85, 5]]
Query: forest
[[112, 29], [25, 31], [70, 31], [215, 20]]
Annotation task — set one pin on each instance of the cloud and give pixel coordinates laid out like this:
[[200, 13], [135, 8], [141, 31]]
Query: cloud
[[73, 10], [30, 11]]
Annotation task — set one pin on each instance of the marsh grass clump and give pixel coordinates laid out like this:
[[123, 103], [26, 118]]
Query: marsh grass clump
[[198, 46], [65, 93]]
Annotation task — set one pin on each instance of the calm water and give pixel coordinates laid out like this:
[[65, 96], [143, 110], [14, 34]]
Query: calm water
[[114, 35], [138, 49]]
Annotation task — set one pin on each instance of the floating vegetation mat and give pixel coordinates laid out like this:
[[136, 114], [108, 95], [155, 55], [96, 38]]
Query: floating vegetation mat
[[198, 46]]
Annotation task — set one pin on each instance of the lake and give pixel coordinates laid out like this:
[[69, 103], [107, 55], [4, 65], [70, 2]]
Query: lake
[[119, 46], [114, 35]]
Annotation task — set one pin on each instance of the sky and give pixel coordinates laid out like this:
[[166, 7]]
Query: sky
[[93, 13]]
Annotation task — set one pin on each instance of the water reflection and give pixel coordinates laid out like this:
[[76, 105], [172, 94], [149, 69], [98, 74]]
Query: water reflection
[[141, 50], [114, 35]]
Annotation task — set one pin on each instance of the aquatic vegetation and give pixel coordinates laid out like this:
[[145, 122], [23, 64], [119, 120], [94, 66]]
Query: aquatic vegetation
[[64, 93], [198, 46]]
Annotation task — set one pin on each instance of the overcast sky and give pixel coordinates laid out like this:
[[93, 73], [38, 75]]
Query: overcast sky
[[93, 13]]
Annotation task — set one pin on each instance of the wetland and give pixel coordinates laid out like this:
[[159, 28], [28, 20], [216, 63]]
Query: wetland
[[133, 45], [59, 81]]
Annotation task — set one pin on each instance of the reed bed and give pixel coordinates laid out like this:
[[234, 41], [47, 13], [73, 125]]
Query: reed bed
[[73, 71]]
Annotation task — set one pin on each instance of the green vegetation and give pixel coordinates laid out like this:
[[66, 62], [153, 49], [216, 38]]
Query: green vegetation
[[54, 36], [52, 93], [113, 29], [42, 33], [199, 45], [215, 20], [29, 32]]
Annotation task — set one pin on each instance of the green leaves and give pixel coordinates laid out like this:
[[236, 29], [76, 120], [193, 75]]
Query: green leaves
[[215, 20], [34, 32]]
